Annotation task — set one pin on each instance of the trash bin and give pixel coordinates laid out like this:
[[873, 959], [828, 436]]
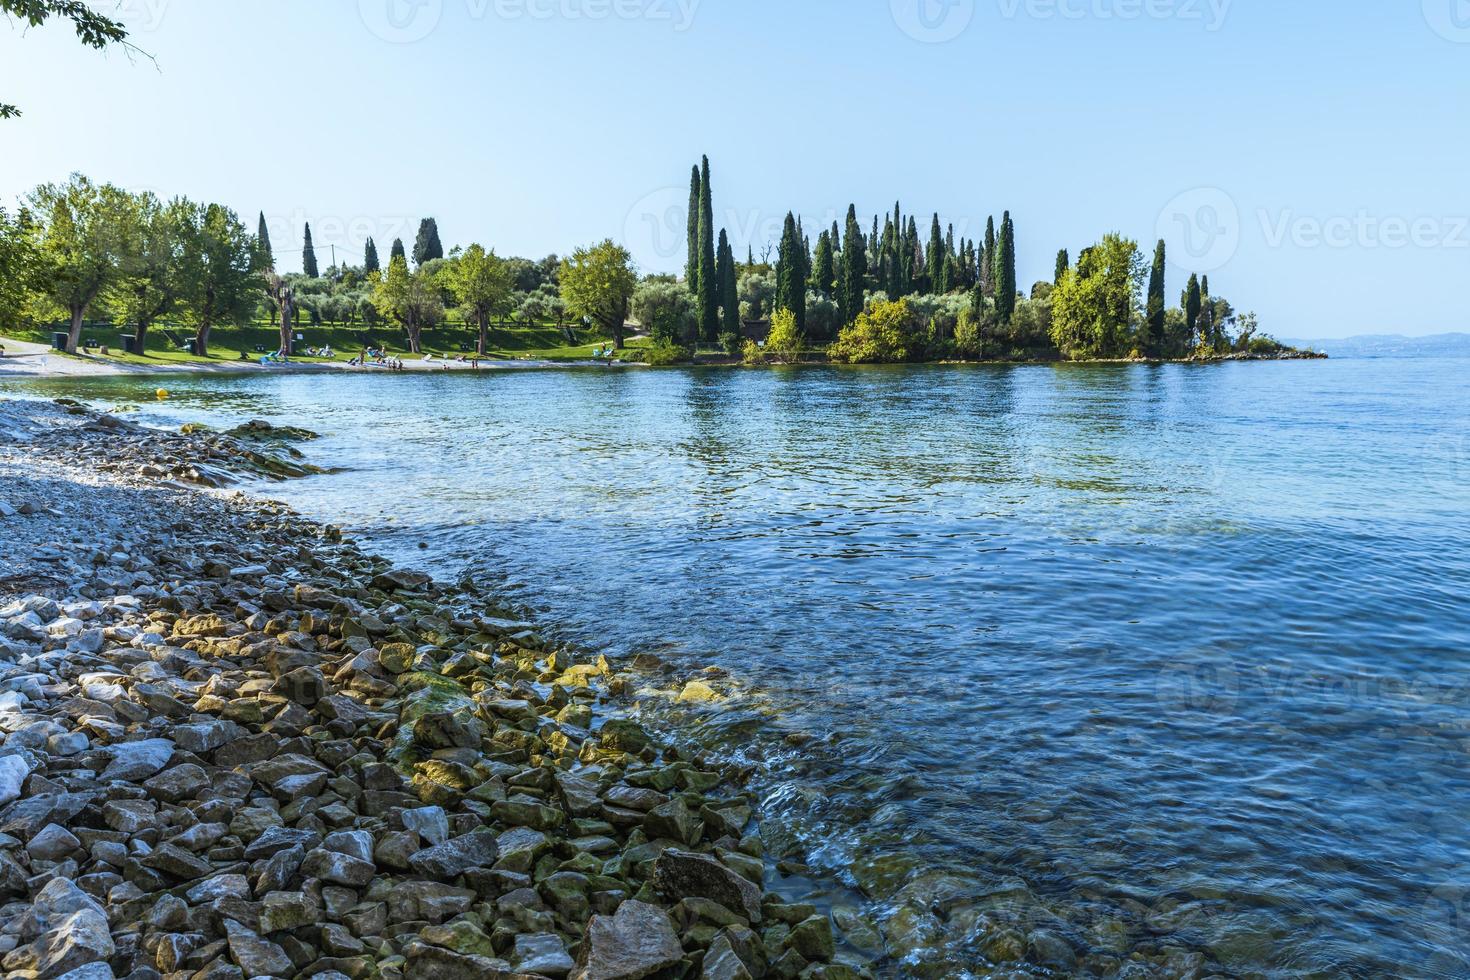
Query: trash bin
[[189, 346], [59, 339], [129, 343]]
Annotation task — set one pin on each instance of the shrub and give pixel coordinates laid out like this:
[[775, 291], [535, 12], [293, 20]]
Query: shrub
[[784, 343], [662, 353], [882, 334]]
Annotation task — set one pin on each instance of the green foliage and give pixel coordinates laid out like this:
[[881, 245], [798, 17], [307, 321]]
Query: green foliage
[[1004, 274], [791, 275], [757, 293], [370, 264], [597, 282], [784, 343], [426, 246], [81, 247], [18, 266], [666, 311], [729, 288], [481, 282], [662, 353], [880, 335], [852, 275], [732, 343], [823, 272], [1064, 262], [691, 262], [92, 29], [267, 258], [1192, 301], [410, 299], [397, 252], [708, 287], [219, 271], [1154, 316], [308, 255], [151, 280], [1092, 308]]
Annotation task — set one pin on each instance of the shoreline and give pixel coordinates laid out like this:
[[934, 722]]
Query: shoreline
[[237, 745]]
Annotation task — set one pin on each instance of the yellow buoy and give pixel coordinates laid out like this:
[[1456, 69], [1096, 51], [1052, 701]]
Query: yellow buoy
[[162, 393]]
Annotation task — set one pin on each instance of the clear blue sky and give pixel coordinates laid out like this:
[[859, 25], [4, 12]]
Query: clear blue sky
[[1311, 155]]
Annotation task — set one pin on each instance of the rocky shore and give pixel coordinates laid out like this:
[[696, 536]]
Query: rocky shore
[[234, 745]]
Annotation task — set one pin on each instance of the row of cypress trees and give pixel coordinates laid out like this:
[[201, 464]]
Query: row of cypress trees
[[426, 246]]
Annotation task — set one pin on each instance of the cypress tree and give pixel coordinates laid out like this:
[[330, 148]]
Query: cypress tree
[[397, 251], [987, 260], [1154, 341], [823, 272], [708, 292], [1192, 303], [852, 276], [729, 291], [1064, 262], [691, 262], [263, 244], [934, 267], [427, 246], [749, 256], [1004, 274], [308, 255], [1204, 287], [790, 280], [370, 257]]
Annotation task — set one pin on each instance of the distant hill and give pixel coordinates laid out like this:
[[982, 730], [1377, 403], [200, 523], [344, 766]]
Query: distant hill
[[1391, 345]]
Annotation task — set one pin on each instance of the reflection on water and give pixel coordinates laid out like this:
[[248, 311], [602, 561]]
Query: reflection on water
[[1150, 658]]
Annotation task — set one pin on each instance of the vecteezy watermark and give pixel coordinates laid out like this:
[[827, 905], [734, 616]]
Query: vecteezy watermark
[[932, 21], [348, 233], [1203, 682], [1210, 14], [141, 15], [407, 21], [1204, 225], [1363, 229], [1450, 19]]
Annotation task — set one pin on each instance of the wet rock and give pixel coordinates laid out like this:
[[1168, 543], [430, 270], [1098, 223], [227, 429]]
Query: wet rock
[[338, 868], [1049, 949], [813, 939], [543, 954], [636, 941], [684, 874]]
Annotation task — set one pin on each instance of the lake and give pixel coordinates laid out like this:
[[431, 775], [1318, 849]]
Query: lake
[[1158, 658]]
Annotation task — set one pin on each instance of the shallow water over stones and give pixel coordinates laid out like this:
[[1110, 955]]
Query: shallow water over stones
[[1034, 663]]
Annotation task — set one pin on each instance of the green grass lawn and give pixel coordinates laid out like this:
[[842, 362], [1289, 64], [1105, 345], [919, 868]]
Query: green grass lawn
[[227, 343]]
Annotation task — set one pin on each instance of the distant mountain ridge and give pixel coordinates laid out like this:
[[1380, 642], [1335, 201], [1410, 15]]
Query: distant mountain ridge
[[1391, 345]]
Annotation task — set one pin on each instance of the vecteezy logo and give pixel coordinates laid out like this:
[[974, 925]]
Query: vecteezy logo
[[1450, 19], [1203, 228], [401, 21], [1204, 682], [933, 21], [656, 230]]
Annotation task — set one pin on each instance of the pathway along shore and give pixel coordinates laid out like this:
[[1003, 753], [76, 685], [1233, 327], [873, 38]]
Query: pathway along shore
[[236, 746]]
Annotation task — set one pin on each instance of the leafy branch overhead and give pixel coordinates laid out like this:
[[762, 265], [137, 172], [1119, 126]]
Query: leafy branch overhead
[[93, 29]]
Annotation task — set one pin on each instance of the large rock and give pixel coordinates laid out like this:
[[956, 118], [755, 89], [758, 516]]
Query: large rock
[[637, 941], [429, 901], [449, 730], [338, 868], [134, 761], [76, 940], [455, 857], [684, 874], [425, 962], [542, 954], [13, 772], [256, 957]]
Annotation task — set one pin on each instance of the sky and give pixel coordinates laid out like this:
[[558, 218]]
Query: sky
[[1309, 156]]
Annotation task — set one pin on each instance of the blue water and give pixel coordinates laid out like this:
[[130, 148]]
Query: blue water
[[1155, 658]]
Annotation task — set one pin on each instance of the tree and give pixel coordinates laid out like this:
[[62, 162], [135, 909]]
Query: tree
[[481, 282], [81, 247], [1192, 302], [220, 271], [987, 260], [1092, 308], [934, 266], [426, 246], [667, 311], [791, 274], [262, 245], [308, 256], [853, 273], [881, 335], [397, 251], [1064, 262], [151, 275], [708, 286], [92, 29], [785, 342], [729, 290], [1154, 335], [597, 282], [18, 264], [411, 299], [370, 264], [1004, 275], [823, 272], [691, 261]]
